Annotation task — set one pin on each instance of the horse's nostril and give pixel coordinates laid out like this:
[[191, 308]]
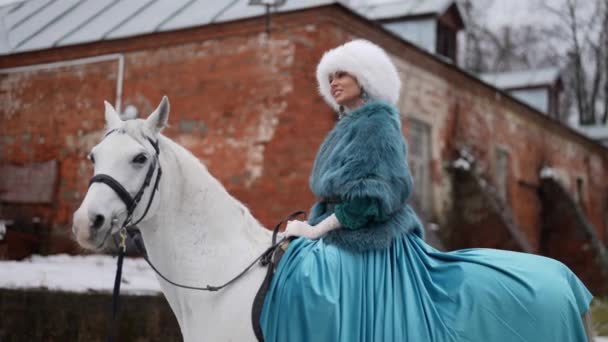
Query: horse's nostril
[[98, 222]]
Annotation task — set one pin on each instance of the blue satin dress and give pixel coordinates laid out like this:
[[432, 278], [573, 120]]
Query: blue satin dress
[[413, 292], [403, 289]]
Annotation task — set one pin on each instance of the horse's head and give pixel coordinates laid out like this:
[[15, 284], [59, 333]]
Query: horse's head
[[126, 156]]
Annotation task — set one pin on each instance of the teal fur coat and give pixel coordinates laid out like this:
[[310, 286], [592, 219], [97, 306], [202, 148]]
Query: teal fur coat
[[365, 157]]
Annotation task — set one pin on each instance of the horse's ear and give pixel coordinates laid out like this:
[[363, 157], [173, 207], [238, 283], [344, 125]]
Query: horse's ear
[[158, 119], [112, 118]]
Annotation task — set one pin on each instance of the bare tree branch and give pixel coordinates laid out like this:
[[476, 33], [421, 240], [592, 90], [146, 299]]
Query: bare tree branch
[[579, 74], [576, 40], [604, 44]]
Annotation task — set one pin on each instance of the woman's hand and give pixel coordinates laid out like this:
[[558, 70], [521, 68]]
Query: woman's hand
[[301, 228]]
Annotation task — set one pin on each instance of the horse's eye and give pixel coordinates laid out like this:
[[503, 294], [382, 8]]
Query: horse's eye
[[92, 158], [140, 159]]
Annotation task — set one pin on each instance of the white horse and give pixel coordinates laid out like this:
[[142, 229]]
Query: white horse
[[195, 232]]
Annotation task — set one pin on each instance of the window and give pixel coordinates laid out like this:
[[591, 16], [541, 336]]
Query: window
[[501, 172], [578, 195], [446, 41], [420, 165], [606, 216], [32, 183]]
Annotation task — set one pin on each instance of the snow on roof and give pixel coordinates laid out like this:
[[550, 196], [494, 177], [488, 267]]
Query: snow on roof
[[40, 24], [403, 8], [522, 79], [90, 273], [597, 132]]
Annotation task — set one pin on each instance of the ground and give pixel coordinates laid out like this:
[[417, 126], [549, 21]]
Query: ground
[[95, 273]]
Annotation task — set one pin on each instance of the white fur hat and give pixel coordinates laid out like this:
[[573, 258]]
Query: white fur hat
[[368, 63]]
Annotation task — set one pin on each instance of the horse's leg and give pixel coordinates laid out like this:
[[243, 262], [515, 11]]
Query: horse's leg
[[588, 326]]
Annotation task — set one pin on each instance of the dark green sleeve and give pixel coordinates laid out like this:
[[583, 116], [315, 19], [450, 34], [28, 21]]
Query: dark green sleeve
[[358, 212]]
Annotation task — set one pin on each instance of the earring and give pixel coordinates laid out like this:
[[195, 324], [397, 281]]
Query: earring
[[364, 95]]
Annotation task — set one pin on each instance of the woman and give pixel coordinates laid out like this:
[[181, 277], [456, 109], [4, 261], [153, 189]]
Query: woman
[[362, 271]]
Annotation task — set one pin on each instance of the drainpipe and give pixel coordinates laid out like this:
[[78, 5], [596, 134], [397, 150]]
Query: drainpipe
[[119, 57]]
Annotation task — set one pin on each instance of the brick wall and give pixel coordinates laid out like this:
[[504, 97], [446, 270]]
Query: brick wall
[[241, 104], [54, 114], [247, 105]]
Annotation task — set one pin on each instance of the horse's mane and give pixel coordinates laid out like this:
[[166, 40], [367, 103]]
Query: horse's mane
[[188, 163]]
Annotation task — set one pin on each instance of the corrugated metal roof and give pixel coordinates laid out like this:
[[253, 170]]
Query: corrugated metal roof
[[404, 8], [39, 24], [522, 79]]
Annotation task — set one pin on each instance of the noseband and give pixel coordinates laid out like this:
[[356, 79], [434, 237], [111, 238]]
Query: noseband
[[132, 201]]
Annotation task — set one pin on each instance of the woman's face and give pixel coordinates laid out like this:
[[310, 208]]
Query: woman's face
[[345, 89]]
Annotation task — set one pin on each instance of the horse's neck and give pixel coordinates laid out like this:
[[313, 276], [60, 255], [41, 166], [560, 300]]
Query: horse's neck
[[199, 230]]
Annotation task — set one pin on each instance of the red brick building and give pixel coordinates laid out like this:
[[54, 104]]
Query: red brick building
[[245, 102]]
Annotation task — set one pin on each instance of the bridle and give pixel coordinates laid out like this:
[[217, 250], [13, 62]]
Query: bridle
[[128, 227], [131, 203], [125, 196]]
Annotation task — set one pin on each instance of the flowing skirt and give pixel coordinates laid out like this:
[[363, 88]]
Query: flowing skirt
[[413, 292]]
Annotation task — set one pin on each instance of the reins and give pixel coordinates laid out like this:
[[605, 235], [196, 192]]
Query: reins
[[264, 259], [127, 228]]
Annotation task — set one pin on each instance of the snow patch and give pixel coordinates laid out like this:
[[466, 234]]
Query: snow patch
[[548, 173], [461, 164], [90, 273]]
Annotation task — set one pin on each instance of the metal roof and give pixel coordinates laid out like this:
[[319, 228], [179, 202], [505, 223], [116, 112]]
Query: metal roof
[[404, 8], [522, 79], [40, 24]]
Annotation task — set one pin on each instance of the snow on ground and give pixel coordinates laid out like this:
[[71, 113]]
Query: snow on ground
[[90, 273], [85, 273]]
